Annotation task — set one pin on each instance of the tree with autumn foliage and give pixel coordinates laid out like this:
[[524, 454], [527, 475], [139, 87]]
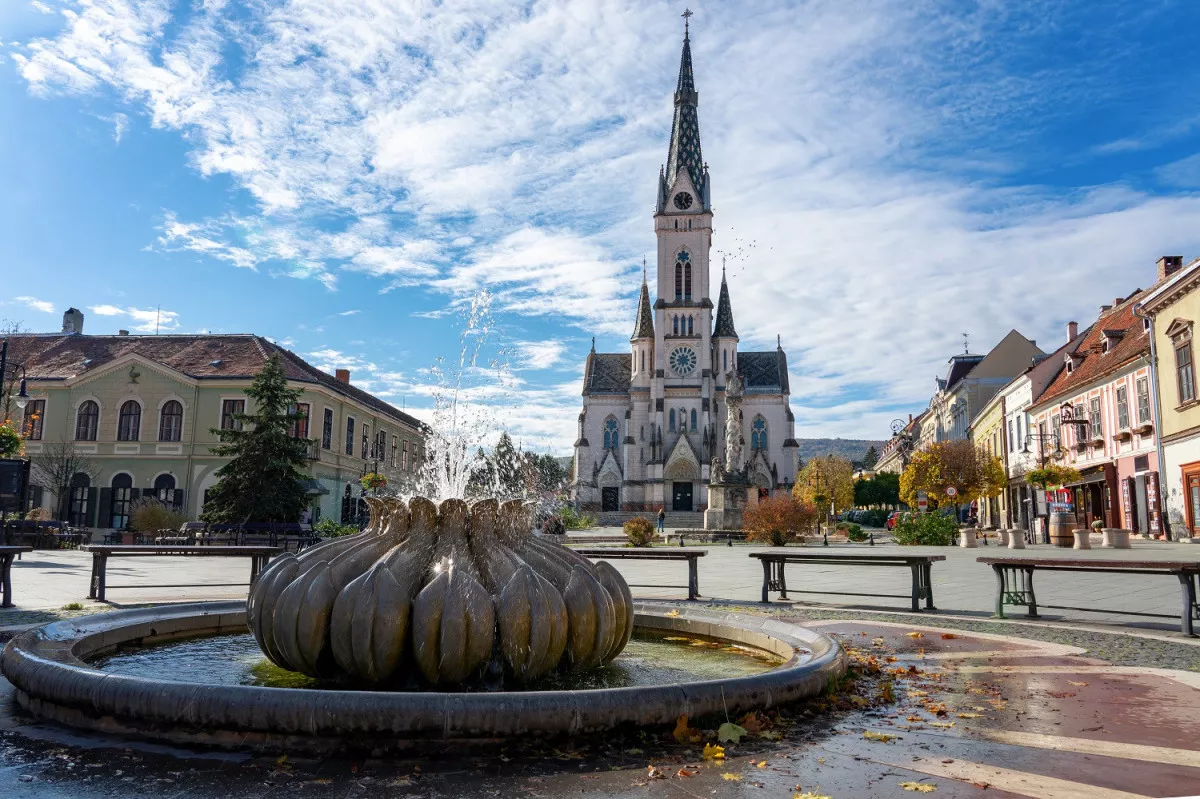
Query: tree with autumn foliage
[[958, 465], [826, 480], [778, 520]]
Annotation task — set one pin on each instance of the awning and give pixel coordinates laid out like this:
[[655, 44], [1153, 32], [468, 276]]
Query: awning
[[313, 487]]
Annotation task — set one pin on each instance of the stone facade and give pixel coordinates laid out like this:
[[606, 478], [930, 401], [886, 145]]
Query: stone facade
[[654, 418]]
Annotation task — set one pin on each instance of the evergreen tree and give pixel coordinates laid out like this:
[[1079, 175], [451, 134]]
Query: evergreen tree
[[505, 461], [871, 458], [261, 481]]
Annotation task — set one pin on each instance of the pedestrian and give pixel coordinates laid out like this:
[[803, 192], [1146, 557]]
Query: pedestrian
[[662, 518]]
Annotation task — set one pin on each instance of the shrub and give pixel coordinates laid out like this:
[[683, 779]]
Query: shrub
[[778, 520], [149, 514], [853, 531], [875, 518], [639, 531], [553, 525], [576, 521], [36, 515], [328, 528], [926, 529]]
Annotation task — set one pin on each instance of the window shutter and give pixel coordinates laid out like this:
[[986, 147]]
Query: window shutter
[[104, 508], [93, 504], [177, 499]]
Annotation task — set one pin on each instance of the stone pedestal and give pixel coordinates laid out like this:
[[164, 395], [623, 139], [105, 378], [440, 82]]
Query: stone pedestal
[[726, 502], [1083, 538], [1016, 539], [1114, 538], [966, 538]]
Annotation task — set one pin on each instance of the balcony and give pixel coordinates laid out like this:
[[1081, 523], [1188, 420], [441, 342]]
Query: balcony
[[314, 449]]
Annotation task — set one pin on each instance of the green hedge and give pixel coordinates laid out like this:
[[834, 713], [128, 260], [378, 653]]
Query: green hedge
[[926, 529]]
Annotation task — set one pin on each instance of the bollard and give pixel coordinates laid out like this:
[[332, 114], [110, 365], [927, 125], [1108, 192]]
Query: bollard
[[872, 535], [825, 536]]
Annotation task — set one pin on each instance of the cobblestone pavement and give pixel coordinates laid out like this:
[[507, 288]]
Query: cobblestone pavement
[[957, 713]]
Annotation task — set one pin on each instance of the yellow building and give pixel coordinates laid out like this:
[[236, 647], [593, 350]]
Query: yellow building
[[1173, 308], [987, 433]]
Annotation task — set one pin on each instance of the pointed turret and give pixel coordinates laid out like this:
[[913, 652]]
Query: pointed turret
[[723, 327], [643, 326], [684, 151]]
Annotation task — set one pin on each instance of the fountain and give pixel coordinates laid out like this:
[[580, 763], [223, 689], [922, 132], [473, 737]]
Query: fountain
[[442, 619]]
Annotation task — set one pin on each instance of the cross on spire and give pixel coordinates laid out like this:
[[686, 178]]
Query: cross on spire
[[687, 14]]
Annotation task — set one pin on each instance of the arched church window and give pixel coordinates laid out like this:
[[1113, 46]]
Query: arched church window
[[671, 421], [758, 433], [690, 328], [675, 325], [724, 360], [687, 281], [610, 433], [693, 420], [679, 281], [643, 361]]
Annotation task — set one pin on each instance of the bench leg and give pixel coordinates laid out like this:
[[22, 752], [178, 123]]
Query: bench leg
[[693, 579], [766, 564], [94, 581], [927, 571], [1032, 605], [101, 566], [1001, 590], [6, 581], [916, 586], [1187, 587], [781, 579]]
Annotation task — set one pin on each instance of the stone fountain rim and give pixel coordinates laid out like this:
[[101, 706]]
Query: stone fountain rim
[[47, 667]]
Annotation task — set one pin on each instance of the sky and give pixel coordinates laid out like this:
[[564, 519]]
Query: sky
[[343, 177]]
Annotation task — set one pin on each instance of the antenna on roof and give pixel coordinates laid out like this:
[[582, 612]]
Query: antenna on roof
[[157, 318], [966, 343]]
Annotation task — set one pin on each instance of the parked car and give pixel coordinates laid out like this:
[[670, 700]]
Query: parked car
[[892, 518]]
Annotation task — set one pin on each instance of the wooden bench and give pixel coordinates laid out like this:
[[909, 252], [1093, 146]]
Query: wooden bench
[[7, 554], [921, 566], [259, 556], [648, 553], [1014, 583]]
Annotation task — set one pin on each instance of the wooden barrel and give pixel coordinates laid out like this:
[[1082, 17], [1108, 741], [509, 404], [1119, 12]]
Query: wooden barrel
[[1062, 525]]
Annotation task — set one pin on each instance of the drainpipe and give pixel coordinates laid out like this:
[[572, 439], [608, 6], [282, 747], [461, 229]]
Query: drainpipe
[[1158, 445]]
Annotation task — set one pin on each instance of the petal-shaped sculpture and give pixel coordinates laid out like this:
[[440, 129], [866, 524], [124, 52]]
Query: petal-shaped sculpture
[[440, 593]]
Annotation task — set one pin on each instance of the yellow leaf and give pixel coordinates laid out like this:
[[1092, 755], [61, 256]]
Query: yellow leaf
[[915, 634], [759, 764], [970, 715], [654, 773], [684, 773], [942, 725], [685, 734], [809, 795], [1072, 682], [881, 737], [731, 777], [948, 636], [919, 787], [671, 613], [714, 752]]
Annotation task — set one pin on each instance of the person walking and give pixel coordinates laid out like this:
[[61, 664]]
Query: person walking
[[662, 518]]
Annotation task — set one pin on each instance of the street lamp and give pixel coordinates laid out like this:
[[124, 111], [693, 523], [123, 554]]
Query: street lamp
[[1040, 438]]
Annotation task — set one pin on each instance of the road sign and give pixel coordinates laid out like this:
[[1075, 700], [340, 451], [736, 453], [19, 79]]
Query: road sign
[[952, 491]]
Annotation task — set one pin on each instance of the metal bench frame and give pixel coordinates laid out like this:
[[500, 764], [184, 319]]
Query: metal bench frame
[[921, 566], [692, 556], [98, 586], [7, 555]]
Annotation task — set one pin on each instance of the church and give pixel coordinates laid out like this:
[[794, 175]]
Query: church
[[653, 419]]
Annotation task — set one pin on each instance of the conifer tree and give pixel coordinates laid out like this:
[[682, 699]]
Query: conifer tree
[[262, 480], [871, 458], [509, 482]]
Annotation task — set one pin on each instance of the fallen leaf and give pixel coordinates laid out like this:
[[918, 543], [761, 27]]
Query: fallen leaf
[[1079, 684], [809, 795], [942, 725], [753, 722], [730, 732], [731, 777], [948, 636], [914, 718], [684, 773], [714, 752], [653, 772], [919, 787], [759, 763], [915, 634], [881, 737], [970, 715], [685, 734], [671, 613]]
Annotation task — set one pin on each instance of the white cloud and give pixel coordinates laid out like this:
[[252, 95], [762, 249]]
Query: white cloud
[[35, 304], [41, 7], [349, 313], [540, 354], [120, 125], [146, 320]]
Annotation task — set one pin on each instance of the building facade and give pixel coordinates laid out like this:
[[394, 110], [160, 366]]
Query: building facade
[[987, 434], [137, 413], [654, 418], [1174, 307]]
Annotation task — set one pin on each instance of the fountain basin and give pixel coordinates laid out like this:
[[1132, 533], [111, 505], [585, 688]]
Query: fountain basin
[[48, 668]]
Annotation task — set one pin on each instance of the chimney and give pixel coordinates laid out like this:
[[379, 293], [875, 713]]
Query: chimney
[[1169, 265], [73, 321], [122, 332], [1072, 331], [343, 376]]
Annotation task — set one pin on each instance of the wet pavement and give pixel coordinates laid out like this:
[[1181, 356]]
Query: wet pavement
[[963, 713]]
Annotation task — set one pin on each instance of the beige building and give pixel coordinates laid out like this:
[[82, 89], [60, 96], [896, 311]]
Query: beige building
[[139, 412], [1173, 307], [987, 434]]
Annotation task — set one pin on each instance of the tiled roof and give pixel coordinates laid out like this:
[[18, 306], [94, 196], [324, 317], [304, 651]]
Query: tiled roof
[[643, 326], [1095, 363], [724, 324], [764, 371], [608, 372], [684, 150], [61, 356]]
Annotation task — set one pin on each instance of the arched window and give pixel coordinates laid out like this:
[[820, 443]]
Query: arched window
[[87, 419], [675, 325], [610, 433], [170, 421], [758, 433], [693, 420], [687, 282], [130, 421], [724, 360], [643, 361], [690, 326], [164, 488], [671, 421], [122, 498], [678, 281]]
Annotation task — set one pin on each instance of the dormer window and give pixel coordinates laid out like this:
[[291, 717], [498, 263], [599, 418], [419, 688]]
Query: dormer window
[[216, 363]]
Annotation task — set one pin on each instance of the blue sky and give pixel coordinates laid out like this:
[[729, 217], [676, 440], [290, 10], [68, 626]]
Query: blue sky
[[342, 176]]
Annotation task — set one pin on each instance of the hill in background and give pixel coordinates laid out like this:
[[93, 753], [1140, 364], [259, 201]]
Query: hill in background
[[853, 449]]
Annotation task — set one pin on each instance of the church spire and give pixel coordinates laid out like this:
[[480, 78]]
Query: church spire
[[684, 151], [643, 327], [723, 328]]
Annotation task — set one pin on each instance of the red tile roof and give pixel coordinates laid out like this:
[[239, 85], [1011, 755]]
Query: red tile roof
[[61, 356], [1133, 342]]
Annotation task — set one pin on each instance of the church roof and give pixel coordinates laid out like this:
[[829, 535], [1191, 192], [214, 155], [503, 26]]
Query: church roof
[[684, 150], [724, 323], [608, 373], [643, 327], [764, 372]]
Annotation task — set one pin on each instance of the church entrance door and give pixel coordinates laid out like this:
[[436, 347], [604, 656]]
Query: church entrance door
[[681, 497], [610, 499]]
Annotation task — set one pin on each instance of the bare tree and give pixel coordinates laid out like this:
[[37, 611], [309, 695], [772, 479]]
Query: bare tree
[[56, 466], [13, 332]]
